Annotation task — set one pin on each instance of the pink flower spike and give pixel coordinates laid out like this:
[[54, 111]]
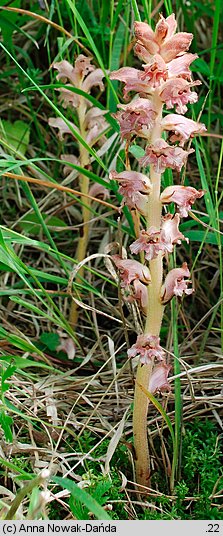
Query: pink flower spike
[[130, 270], [183, 196], [67, 345], [147, 348], [66, 72], [136, 118], [162, 156], [152, 242], [180, 66], [182, 127], [159, 378], [175, 284], [176, 92], [170, 229], [141, 294]]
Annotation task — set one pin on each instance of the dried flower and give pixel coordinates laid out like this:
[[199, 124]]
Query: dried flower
[[73, 160], [183, 196], [83, 76], [175, 284], [147, 347], [66, 345]]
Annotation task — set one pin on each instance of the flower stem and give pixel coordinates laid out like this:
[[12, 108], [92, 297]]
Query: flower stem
[[152, 325], [83, 239]]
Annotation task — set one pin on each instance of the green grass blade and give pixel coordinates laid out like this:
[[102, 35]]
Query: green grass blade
[[82, 496]]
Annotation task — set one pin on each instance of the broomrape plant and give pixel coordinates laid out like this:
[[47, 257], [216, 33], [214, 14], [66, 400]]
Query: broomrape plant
[[91, 126], [164, 81]]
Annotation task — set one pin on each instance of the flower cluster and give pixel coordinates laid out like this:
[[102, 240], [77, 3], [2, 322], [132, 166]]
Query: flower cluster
[[82, 76], [92, 123], [164, 80]]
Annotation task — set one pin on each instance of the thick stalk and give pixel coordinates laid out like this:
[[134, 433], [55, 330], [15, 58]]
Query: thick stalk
[[83, 239], [152, 325]]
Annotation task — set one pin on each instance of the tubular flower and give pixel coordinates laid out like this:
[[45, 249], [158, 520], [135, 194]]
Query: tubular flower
[[176, 92], [130, 270], [132, 184], [132, 79], [159, 378], [153, 241], [140, 294], [180, 66], [136, 118], [98, 190], [63, 128], [183, 196], [155, 72], [182, 127], [147, 348], [162, 41], [170, 229], [162, 155], [175, 284], [132, 180]]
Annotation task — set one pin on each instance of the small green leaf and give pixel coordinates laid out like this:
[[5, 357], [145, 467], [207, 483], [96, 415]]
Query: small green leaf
[[82, 496], [15, 134], [6, 422], [51, 340], [31, 224], [136, 151]]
